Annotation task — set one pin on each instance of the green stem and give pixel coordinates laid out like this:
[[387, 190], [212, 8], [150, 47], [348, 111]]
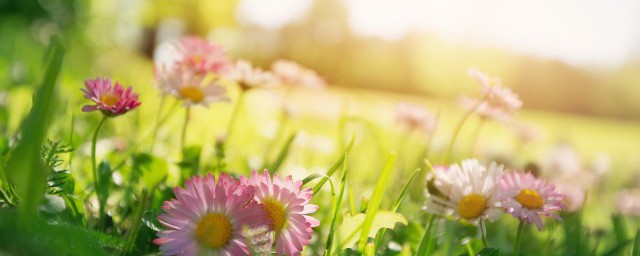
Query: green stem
[[156, 126], [183, 136], [476, 135], [459, 127], [424, 244], [483, 234], [234, 114], [516, 246], [95, 169]]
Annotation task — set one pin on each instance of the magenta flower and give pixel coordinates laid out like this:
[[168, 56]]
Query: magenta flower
[[208, 218], [287, 207], [528, 197], [112, 100]]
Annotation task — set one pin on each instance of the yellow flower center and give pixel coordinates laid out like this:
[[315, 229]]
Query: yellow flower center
[[471, 206], [276, 213], [192, 93], [530, 199], [214, 230], [197, 59], [109, 99]]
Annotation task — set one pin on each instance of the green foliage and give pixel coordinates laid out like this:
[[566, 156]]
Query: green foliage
[[376, 199], [25, 169], [353, 225], [284, 152]]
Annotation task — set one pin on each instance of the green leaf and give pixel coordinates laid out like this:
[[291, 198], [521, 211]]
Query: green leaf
[[352, 225], [25, 168], [489, 252], [618, 250], [43, 237], [150, 219], [151, 169], [376, 198], [104, 179], [190, 163], [636, 245], [284, 152], [335, 166]]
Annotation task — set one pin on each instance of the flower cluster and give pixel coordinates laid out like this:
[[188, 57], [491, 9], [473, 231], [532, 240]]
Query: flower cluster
[[212, 218], [473, 192], [193, 71]]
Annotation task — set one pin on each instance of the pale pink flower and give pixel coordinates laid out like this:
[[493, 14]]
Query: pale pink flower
[[208, 218], [416, 117], [528, 197], [111, 100], [628, 202], [203, 56], [575, 194], [288, 208], [249, 77], [190, 87], [469, 191], [293, 74], [499, 101]]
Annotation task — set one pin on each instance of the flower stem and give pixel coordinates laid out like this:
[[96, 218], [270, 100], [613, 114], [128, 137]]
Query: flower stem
[[459, 127], [95, 169], [234, 114], [156, 126], [483, 233], [476, 135], [516, 246], [183, 136]]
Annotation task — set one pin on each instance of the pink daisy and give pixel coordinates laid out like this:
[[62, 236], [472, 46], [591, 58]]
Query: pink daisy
[[189, 86], [208, 218], [287, 207], [249, 77], [203, 56], [293, 74], [528, 197], [501, 102], [112, 100], [416, 117]]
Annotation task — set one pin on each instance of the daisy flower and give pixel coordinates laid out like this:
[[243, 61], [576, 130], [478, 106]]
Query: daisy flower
[[470, 191], [249, 77], [628, 202], [293, 74], [415, 117], [202, 56], [209, 218], [500, 101], [287, 208], [110, 99], [528, 197], [190, 87]]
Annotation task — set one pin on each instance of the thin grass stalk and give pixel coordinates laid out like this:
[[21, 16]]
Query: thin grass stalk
[[458, 128], [376, 198], [336, 211]]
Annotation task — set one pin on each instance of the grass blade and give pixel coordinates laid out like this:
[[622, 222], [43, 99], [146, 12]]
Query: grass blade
[[25, 168], [396, 203], [336, 211], [335, 166], [636, 245], [376, 198], [284, 152]]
